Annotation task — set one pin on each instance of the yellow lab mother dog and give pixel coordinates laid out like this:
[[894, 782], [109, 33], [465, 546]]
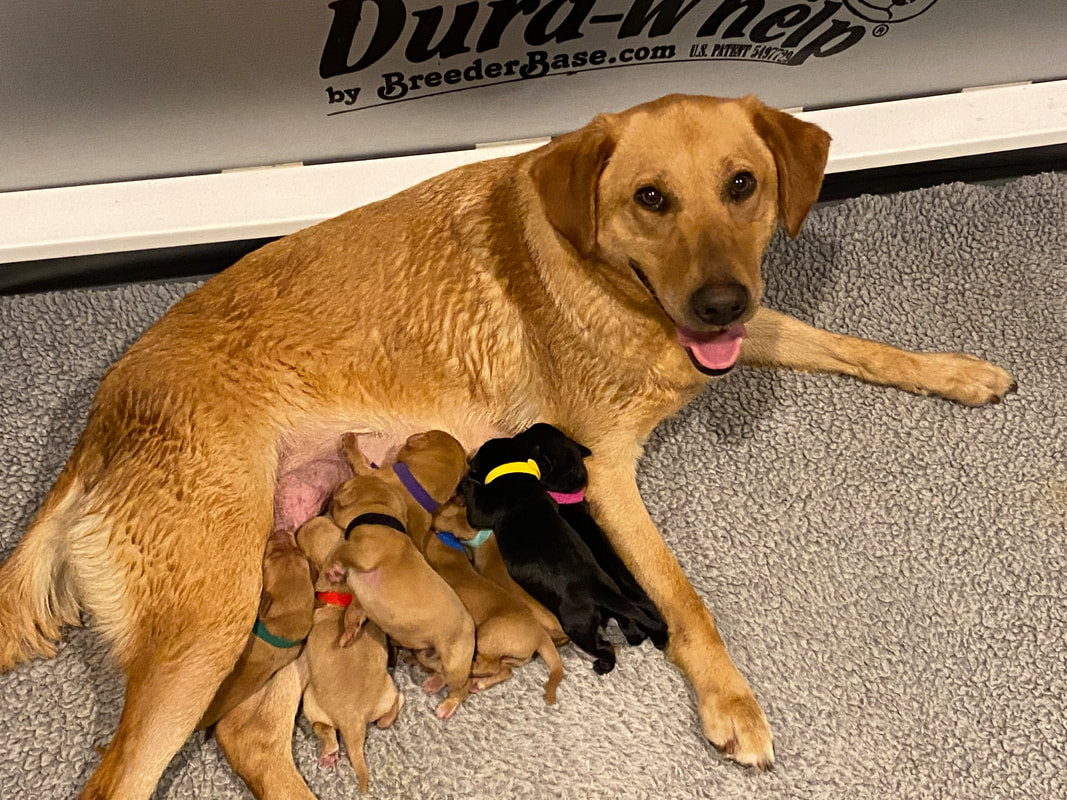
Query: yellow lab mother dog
[[593, 283]]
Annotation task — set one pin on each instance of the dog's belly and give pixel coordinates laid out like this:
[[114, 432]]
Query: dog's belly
[[311, 464]]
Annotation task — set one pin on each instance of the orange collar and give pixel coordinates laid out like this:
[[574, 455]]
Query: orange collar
[[334, 598]]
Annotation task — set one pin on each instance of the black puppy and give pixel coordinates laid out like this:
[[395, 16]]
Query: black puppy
[[540, 550], [563, 474]]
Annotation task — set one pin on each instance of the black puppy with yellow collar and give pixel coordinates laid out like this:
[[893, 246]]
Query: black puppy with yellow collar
[[543, 553]]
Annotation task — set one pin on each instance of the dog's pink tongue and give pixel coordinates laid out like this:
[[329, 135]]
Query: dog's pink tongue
[[717, 350]]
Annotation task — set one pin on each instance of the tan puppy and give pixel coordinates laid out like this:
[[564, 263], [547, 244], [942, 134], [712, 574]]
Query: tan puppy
[[392, 582], [488, 562], [594, 283], [349, 686], [507, 633], [285, 617]]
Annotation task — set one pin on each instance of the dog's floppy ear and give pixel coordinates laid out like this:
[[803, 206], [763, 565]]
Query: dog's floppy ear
[[800, 151], [566, 173]]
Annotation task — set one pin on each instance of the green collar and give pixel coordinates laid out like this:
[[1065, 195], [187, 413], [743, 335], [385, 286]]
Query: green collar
[[260, 630]]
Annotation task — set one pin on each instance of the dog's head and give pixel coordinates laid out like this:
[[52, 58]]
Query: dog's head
[[561, 459], [682, 195], [437, 461], [287, 577]]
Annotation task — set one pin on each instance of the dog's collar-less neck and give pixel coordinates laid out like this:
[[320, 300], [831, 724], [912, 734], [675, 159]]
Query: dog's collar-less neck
[[568, 498], [528, 467], [372, 518], [334, 598], [260, 630], [415, 489]]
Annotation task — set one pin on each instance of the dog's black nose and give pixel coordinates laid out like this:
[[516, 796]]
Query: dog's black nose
[[719, 303]]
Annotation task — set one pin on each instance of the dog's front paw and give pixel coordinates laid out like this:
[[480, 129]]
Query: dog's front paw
[[334, 573], [737, 726], [964, 378]]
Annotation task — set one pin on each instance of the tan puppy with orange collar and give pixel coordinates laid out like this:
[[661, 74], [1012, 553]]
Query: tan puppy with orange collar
[[350, 686]]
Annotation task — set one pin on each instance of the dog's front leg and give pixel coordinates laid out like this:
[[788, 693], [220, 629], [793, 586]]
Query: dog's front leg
[[731, 717], [775, 339]]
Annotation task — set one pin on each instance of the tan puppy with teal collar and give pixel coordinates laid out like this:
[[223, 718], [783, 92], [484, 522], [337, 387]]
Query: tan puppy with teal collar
[[508, 635], [283, 623]]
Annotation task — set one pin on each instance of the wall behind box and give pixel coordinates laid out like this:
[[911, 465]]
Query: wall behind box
[[103, 92]]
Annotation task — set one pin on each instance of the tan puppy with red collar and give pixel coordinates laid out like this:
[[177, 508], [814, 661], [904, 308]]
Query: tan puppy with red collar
[[350, 686]]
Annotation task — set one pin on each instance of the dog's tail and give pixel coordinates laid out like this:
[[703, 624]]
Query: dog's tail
[[37, 595], [354, 732], [550, 655]]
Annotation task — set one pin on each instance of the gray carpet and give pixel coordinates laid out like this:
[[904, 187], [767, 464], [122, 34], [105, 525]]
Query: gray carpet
[[889, 571]]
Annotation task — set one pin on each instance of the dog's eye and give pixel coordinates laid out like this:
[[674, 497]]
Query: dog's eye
[[741, 185], [651, 198]]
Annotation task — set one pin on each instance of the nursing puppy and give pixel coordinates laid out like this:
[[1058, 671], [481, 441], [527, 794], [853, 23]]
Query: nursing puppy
[[349, 686], [542, 552], [596, 281], [283, 623], [485, 556], [393, 584], [563, 473], [507, 635]]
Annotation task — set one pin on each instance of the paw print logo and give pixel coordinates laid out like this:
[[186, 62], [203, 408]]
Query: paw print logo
[[888, 10]]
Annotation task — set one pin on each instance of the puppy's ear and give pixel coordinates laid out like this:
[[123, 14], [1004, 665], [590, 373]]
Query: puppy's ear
[[800, 150], [265, 601], [566, 173]]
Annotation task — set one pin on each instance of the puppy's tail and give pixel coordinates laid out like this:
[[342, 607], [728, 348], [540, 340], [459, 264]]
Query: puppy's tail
[[550, 655], [354, 732], [36, 587]]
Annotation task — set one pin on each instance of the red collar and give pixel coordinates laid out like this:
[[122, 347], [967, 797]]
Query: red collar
[[334, 598]]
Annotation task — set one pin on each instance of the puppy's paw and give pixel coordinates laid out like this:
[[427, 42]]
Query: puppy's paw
[[448, 707], [329, 760], [737, 726], [433, 684], [334, 573], [604, 665], [964, 378]]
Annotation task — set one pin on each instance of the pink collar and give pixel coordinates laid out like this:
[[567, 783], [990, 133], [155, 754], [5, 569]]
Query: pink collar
[[565, 499]]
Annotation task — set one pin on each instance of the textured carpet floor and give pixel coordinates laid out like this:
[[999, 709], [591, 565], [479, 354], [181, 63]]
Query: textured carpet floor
[[889, 571]]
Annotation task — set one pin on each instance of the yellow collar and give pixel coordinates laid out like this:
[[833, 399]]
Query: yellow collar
[[528, 467]]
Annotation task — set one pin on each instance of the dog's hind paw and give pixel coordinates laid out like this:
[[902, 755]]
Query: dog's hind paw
[[737, 726], [604, 665]]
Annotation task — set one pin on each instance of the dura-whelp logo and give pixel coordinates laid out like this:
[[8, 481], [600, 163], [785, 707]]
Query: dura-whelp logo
[[474, 43]]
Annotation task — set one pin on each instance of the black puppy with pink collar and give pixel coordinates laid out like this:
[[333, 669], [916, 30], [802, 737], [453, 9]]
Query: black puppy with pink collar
[[563, 474]]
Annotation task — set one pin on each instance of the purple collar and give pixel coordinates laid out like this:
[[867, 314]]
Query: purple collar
[[568, 498], [414, 487]]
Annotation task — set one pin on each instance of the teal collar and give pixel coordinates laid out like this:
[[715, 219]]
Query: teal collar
[[479, 539], [260, 630]]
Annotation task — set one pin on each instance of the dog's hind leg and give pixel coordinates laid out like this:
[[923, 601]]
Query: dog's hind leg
[[37, 594], [585, 633], [777, 340], [456, 666]]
